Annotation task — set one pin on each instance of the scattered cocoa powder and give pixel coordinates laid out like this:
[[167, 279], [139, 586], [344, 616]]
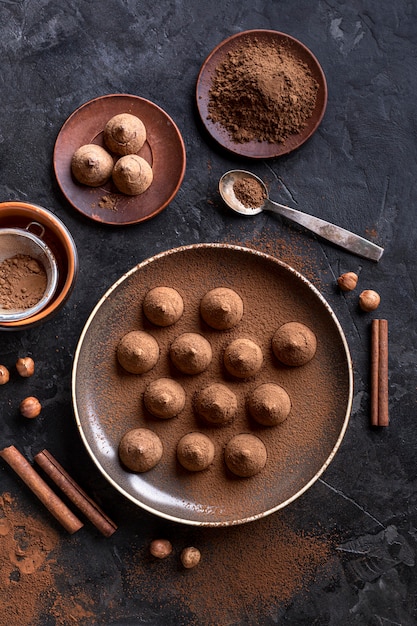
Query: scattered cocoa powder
[[29, 572], [261, 92], [108, 202], [22, 282], [246, 574], [249, 192]]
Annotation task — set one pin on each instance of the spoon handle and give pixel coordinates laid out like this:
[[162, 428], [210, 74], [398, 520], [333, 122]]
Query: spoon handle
[[337, 235]]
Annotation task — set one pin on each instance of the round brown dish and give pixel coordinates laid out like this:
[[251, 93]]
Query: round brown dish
[[259, 149], [107, 400], [163, 149]]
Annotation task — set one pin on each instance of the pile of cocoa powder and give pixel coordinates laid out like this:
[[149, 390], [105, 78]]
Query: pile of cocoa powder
[[262, 92]]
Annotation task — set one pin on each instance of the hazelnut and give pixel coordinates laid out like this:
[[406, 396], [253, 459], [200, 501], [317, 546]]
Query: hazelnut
[[30, 407], [160, 548], [4, 375], [347, 281], [190, 557], [369, 300], [25, 366]]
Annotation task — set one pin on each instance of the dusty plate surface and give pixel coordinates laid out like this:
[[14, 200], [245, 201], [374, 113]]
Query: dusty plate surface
[[259, 149], [164, 150], [108, 401]]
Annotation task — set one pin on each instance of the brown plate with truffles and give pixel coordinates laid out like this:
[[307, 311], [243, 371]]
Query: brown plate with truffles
[[212, 421], [163, 151], [261, 94]]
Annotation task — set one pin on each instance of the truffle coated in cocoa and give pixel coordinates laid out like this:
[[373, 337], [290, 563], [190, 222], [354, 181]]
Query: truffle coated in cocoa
[[124, 134], [163, 306], [245, 455], [269, 404], [191, 353], [216, 403], [243, 358], [92, 165], [164, 398], [138, 352], [221, 308], [140, 449], [132, 175], [294, 344], [195, 451]]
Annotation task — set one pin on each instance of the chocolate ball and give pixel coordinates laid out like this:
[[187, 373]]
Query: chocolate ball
[[137, 352], [294, 344], [140, 449], [163, 306], [164, 398], [245, 455], [124, 134], [269, 404], [243, 358], [191, 353], [195, 452], [132, 175], [217, 404], [221, 308]]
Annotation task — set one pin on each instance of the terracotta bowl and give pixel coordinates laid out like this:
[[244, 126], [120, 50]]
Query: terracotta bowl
[[59, 240]]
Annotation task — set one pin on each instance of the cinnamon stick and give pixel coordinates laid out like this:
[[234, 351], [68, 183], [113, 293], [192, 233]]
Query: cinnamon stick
[[379, 373], [75, 493], [41, 489]]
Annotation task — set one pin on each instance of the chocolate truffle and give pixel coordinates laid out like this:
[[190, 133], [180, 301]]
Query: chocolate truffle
[[137, 352], [217, 404], [164, 398], [92, 165], [195, 451], [269, 404], [124, 134], [243, 358], [245, 455], [163, 306], [221, 308], [191, 353], [132, 175], [140, 449], [294, 344]]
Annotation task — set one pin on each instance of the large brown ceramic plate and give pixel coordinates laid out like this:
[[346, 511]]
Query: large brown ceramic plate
[[164, 150], [259, 149], [108, 401]]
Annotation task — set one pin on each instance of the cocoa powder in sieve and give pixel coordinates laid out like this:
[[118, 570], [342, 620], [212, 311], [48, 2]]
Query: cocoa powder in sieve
[[261, 92], [22, 282]]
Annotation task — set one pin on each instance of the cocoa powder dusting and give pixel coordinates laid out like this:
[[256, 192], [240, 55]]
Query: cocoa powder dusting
[[261, 92], [22, 282]]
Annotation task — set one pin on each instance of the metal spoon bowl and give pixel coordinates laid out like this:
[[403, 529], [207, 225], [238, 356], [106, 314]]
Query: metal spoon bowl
[[337, 235]]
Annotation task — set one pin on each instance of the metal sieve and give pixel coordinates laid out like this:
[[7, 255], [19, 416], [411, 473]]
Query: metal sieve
[[14, 241]]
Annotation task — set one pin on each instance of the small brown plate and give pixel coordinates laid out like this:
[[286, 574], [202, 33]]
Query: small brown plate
[[108, 401], [259, 149], [164, 150]]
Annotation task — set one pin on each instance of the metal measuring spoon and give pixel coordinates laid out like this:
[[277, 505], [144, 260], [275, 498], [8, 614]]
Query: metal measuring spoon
[[337, 235]]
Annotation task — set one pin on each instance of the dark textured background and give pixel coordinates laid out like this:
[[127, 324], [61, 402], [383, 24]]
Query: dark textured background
[[358, 170]]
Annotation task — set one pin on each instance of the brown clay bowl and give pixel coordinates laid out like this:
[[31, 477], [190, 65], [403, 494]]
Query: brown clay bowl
[[59, 240], [259, 149]]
